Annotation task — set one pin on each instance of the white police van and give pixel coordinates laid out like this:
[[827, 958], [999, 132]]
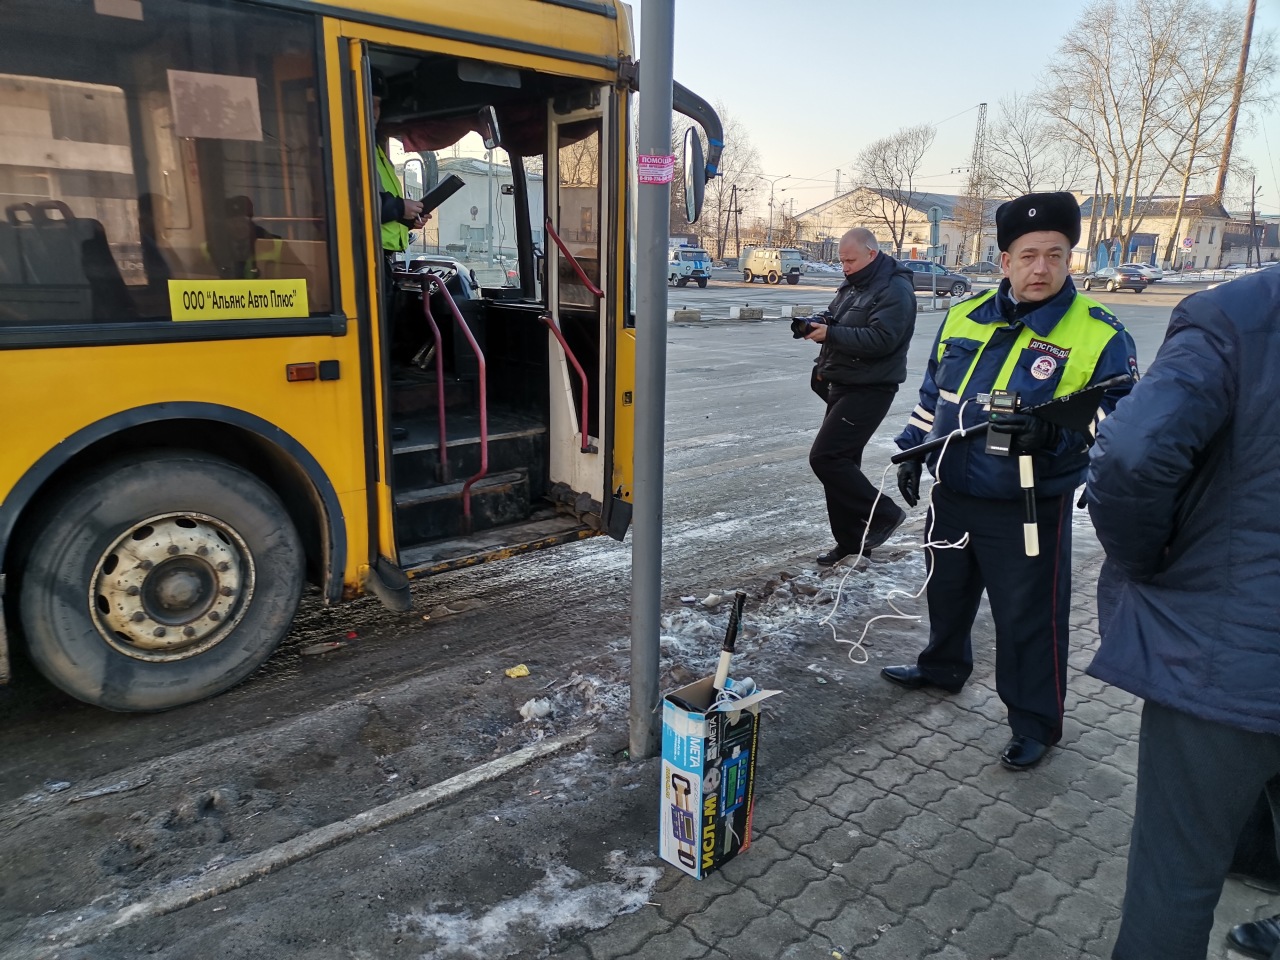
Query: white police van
[[687, 262]]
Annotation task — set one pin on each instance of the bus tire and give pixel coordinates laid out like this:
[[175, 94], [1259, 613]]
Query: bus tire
[[159, 581], [772, 277], [747, 276]]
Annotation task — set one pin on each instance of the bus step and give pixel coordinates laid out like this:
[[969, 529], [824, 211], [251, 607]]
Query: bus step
[[441, 556], [513, 445], [435, 512], [415, 392]]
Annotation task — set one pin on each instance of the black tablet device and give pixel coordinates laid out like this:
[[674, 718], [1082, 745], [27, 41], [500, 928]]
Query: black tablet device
[[442, 191]]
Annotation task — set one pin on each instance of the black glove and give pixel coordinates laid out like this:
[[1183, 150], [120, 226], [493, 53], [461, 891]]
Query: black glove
[[1028, 432], [909, 481]]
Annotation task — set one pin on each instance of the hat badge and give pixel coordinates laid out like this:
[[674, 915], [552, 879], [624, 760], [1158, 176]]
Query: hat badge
[[1031, 212]]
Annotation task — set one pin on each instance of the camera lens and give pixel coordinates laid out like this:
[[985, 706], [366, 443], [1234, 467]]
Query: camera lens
[[799, 327]]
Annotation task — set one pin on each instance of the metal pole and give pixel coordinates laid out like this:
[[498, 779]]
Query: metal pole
[[488, 189], [653, 211], [1253, 223]]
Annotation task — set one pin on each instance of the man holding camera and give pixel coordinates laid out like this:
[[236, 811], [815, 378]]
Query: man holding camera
[[1033, 339], [864, 334]]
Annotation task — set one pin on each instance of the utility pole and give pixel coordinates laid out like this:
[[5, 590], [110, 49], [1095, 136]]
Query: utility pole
[[737, 230], [978, 180], [653, 214], [1228, 140], [1253, 224], [768, 239], [837, 193]]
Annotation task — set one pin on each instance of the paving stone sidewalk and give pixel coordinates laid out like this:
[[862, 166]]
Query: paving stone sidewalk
[[917, 843]]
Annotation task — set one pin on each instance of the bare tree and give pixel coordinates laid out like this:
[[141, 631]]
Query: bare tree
[[1027, 154], [1107, 92], [888, 169], [1207, 93], [738, 168]]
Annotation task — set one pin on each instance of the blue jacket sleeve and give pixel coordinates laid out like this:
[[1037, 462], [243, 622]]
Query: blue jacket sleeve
[[920, 423], [1147, 448]]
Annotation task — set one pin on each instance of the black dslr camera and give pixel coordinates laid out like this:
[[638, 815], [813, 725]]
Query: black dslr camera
[[800, 326]]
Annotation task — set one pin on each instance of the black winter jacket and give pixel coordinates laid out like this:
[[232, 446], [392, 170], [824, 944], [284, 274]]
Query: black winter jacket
[[870, 323], [1183, 492]]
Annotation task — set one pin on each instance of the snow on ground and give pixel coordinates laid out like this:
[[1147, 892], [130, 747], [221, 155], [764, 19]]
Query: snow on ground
[[560, 901]]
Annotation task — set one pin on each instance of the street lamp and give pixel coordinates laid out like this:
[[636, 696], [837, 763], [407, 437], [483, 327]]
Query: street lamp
[[772, 183]]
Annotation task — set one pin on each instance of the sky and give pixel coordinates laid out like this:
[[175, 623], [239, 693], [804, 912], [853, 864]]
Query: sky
[[815, 81]]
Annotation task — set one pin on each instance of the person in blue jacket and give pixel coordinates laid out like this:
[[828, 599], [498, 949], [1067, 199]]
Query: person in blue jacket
[[1184, 490], [1036, 336]]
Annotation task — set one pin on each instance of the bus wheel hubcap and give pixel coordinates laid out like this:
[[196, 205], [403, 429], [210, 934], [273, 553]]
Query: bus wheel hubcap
[[171, 587]]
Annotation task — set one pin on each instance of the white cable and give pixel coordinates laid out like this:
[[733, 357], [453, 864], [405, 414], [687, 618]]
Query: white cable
[[929, 544]]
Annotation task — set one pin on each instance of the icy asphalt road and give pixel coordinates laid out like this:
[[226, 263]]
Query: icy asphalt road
[[505, 869]]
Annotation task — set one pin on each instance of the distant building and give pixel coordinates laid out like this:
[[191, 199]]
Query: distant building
[[1235, 240], [818, 229], [479, 214], [1198, 243]]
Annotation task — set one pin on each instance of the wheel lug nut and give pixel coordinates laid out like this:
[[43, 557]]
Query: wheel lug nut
[[158, 632], [174, 549], [202, 551], [188, 631], [215, 615], [138, 616], [226, 591], [223, 567], [145, 565], [133, 591]]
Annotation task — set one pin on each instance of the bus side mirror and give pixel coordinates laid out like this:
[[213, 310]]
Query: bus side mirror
[[488, 122], [695, 175], [415, 178]]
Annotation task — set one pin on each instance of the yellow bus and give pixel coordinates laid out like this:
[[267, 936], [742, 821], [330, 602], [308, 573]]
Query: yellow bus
[[222, 379]]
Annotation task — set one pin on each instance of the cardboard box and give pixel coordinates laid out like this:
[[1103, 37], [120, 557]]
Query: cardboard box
[[708, 777]]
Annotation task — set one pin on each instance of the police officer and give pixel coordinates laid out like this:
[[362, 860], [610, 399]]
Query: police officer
[[397, 213], [1037, 337]]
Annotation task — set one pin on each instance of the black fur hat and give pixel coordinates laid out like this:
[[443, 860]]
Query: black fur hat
[[1038, 211]]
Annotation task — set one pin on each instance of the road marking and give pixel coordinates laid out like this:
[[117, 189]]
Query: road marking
[[265, 862]]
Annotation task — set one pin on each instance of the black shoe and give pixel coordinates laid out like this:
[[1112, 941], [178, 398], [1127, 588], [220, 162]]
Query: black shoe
[[881, 532], [1023, 753], [913, 679], [1257, 939], [833, 556]]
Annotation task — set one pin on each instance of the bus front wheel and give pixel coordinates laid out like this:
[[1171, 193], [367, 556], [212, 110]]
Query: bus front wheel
[[159, 581]]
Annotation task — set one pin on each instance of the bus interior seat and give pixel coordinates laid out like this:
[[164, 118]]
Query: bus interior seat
[[58, 267]]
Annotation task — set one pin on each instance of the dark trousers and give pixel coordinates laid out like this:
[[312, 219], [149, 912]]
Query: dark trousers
[[1030, 601], [853, 414], [1198, 781]]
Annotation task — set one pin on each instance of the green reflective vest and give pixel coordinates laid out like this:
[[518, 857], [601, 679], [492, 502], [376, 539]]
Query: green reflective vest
[[395, 235], [1074, 345]]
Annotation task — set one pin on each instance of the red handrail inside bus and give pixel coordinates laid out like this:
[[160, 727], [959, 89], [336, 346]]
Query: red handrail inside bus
[[573, 262], [586, 393], [440, 404], [433, 281]]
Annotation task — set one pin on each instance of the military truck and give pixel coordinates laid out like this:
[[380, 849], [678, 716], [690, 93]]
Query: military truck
[[771, 264]]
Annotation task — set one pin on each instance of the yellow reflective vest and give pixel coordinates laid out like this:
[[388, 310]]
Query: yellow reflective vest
[[1059, 347], [395, 235]]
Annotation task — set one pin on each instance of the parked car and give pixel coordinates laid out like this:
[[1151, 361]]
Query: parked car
[[1152, 273], [983, 268], [1117, 278], [929, 276]]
